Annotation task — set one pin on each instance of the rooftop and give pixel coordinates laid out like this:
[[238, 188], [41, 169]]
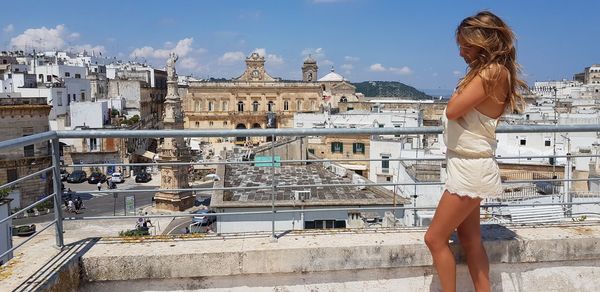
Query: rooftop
[[313, 174]]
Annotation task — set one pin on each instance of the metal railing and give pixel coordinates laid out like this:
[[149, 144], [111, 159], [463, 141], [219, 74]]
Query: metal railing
[[273, 185]]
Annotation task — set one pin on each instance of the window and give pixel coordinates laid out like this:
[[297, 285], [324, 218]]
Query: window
[[385, 163], [271, 106], [197, 124], [12, 175], [210, 106], [298, 105], [77, 75], [59, 98], [286, 106], [380, 125], [311, 151], [67, 74], [255, 106], [210, 123], [337, 147], [28, 150], [48, 78], [523, 142], [93, 144], [224, 123], [225, 106], [83, 96], [240, 106], [324, 224], [358, 148], [41, 77], [197, 106], [547, 143], [312, 105]]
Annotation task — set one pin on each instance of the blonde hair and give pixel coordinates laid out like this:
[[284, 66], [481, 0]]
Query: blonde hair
[[496, 42]]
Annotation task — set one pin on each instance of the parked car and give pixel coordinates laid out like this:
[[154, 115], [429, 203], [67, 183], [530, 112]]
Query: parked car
[[78, 176], [202, 219], [96, 177], [117, 177], [143, 177], [64, 174]]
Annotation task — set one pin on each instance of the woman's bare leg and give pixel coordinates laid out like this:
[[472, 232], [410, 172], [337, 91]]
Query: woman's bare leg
[[469, 234], [450, 213]]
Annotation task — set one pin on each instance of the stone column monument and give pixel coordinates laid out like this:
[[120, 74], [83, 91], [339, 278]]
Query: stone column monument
[[173, 150]]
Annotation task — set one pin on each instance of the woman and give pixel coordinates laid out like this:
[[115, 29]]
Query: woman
[[490, 87]]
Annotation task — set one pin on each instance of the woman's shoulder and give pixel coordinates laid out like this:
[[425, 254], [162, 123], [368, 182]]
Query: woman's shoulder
[[494, 71]]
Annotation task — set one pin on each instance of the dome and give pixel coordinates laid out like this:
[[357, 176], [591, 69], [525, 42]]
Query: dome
[[332, 76]]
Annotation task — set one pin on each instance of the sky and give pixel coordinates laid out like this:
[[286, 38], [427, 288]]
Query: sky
[[408, 41]]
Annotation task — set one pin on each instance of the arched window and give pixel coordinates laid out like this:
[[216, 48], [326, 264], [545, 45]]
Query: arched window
[[312, 105], [299, 105], [286, 106], [240, 106], [343, 99], [271, 106], [197, 107], [210, 106], [255, 106]]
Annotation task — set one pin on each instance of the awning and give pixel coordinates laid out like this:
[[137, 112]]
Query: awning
[[353, 166]]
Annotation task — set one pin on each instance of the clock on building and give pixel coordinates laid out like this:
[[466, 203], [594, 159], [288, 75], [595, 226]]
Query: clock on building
[[255, 73]]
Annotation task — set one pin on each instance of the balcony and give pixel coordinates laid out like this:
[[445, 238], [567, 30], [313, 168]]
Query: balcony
[[272, 249]]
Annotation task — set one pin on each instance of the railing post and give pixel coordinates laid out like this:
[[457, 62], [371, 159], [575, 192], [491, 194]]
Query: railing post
[[57, 193], [273, 189]]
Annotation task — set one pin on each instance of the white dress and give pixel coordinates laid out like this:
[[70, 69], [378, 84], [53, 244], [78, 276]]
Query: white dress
[[470, 156]]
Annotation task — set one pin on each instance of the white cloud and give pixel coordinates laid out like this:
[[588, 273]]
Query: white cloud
[[182, 49], [56, 38], [456, 73], [327, 63], [8, 29], [231, 57], [41, 38], [404, 70], [271, 59], [347, 66], [377, 67], [317, 53], [89, 48], [351, 59], [189, 63]]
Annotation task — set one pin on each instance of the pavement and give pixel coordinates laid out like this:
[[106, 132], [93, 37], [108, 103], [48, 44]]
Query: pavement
[[35, 260]]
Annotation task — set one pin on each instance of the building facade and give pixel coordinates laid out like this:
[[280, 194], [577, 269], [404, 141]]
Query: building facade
[[253, 100], [23, 116]]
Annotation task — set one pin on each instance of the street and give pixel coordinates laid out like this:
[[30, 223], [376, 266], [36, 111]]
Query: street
[[105, 204]]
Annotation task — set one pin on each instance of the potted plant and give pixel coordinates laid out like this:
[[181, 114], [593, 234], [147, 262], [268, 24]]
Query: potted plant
[[24, 230]]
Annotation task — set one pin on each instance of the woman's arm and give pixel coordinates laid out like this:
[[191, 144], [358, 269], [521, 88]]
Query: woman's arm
[[469, 97], [473, 94]]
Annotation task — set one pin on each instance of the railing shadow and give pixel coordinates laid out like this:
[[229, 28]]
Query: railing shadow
[[49, 273]]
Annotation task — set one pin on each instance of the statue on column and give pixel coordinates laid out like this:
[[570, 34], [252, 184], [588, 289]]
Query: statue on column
[[171, 74]]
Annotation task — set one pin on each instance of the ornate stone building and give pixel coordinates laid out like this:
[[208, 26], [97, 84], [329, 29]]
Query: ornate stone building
[[253, 100]]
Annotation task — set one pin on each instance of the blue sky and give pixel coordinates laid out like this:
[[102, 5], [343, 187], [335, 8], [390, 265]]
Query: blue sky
[[407, 41]]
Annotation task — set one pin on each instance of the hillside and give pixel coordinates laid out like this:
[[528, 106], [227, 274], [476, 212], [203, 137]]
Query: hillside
[[389, 89]]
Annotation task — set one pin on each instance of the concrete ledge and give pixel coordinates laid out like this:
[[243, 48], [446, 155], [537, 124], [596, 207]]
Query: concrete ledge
[[547, 249]]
